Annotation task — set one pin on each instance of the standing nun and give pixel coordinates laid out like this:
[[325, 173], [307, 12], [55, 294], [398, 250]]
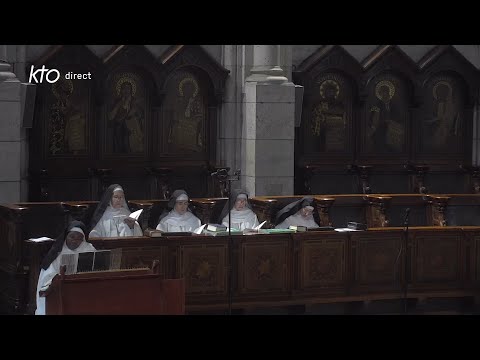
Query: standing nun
[[242, 214], [72, 241], [110, 218], [178, 217], [297, 213]]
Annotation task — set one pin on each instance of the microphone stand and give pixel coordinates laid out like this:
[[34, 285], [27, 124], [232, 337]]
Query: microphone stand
[[223, 177], [405, 270]]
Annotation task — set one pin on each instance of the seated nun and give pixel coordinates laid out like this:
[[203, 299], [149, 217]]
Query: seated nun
[[178, 217], [297, 213], [110, 218], [71, 241], [242, 214]]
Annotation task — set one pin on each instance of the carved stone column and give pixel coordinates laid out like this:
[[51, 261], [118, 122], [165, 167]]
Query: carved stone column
[[269, 127], [377, 211], [12, 135], [323, 209]]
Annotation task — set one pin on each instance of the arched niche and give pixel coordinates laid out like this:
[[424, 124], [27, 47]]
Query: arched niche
[[326, 132]]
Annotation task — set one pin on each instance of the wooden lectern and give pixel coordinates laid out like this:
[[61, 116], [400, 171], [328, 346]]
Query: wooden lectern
[[115, 292]]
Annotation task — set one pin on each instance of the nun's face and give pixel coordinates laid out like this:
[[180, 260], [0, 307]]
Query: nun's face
[[74, 239], [117, 199], [240, 204], [306, 212], [181, 206]]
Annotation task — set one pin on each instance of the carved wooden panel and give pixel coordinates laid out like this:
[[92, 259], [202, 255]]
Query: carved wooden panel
[[263, 265], [203, 267], [144, 257], [437, 257], [375, 260], [322, 263], [476, 262], [185, 114], [443, 115], [126, 114], [68, 116], [7, 243], [386, 116], [327, 122]]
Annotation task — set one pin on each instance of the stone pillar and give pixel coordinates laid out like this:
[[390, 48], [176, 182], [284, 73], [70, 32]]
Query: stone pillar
[[21, 63], [268, 131], [12, 136], [230, 124]]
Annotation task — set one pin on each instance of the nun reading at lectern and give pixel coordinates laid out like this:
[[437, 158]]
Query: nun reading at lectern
[[242, 214], [297, 213], [72, 241], [178, 217], [110, 218]]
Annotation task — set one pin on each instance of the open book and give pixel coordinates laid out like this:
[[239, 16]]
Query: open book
[[134, 215], [98, 260], [41, 239]]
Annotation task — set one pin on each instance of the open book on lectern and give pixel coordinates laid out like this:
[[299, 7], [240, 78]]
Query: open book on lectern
[[99, 260]]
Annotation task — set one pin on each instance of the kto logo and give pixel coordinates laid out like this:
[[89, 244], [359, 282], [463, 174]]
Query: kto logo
[[51, 75]]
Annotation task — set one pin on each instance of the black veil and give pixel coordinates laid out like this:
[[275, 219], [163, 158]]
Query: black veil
[[103, 204], [171, 203], [233, 197], [294, 207], [58, 244]]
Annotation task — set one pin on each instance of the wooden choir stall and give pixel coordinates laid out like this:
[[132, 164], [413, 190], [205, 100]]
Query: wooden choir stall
[[115, 292], [441, 260]]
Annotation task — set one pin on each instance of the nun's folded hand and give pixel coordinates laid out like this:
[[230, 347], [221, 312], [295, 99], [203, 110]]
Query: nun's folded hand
[[130, 222]]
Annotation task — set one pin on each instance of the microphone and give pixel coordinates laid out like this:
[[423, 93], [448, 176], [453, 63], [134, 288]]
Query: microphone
[[220, 173], [407, 213]]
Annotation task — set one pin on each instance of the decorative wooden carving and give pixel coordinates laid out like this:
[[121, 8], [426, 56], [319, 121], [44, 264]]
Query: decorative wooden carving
[[160, 185], [374, 259], [437, 208], [308, 172], [263, 266], [322, 262], [418, 177], [204, 209], [437, 258], [204, 268], [377, 213], [474, 172], [101, 181], [77, 211], [44, 185], [264, 209], [323, 209], [363, 172]]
